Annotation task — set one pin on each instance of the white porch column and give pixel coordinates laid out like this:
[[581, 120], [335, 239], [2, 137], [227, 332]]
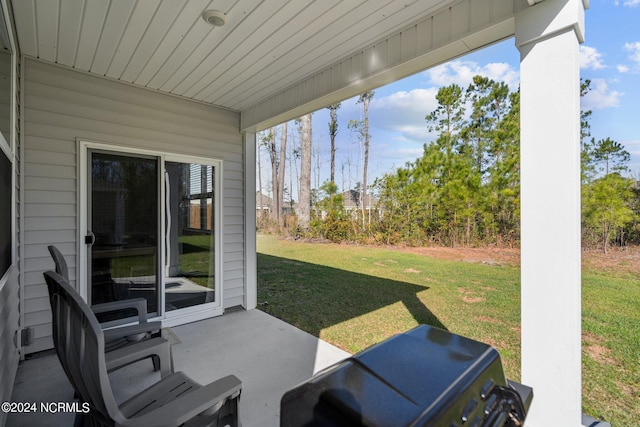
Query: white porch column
[[548, 36], [250, 255]]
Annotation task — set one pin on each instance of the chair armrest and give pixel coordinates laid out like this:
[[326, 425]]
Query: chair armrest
[[139, 304], [188, 405], [135, 352], [131, 332]]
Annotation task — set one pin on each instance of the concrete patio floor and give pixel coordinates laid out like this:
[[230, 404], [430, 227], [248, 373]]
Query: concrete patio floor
[[268, 355]]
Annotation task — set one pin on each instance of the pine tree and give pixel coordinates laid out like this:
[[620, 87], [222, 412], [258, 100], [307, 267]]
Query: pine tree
[[465, 187], [606, 206]]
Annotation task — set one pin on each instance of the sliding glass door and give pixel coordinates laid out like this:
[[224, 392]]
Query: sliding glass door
[[123, 225], [190, 237], [152, 224]]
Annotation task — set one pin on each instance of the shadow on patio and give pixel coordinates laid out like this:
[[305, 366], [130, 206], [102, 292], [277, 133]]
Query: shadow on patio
[[268, 355]]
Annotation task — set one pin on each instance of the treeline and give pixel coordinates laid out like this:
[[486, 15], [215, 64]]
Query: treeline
[[610, 197], [465, 188]]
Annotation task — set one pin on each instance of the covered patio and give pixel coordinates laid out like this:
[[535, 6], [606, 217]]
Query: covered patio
[[157, 85], [269, 355]]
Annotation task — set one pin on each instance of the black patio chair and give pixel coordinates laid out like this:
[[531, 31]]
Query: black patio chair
[[117, 339], [173, 401]]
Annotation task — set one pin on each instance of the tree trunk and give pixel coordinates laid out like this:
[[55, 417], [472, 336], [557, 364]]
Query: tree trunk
[[275, 212], [304, 205], [366, 160], [259, 182], [333, 131], [365, 98], [281, 168], [468, 230]]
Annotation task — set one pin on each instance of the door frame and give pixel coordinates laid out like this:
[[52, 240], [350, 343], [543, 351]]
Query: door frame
[[171, 318], [202, 311]]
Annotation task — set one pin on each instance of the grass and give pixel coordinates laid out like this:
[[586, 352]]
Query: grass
[[354, 297], [611, 348], [195, 260]]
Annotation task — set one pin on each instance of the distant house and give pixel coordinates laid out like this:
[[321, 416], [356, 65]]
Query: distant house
[[289, 208], [353, 202], [263, 204]]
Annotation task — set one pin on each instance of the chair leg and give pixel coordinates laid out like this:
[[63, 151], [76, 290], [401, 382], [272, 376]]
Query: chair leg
[[157, 363], [228, 414]]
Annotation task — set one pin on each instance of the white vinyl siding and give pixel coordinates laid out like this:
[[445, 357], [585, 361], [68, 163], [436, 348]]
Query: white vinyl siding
[[9, 356], [63, 106], [9, 284]]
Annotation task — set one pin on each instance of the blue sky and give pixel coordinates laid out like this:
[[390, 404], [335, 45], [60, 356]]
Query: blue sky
[[610, 58]]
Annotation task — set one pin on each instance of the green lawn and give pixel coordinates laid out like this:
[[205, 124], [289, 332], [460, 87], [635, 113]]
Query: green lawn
[[195, 261], [354, 297]]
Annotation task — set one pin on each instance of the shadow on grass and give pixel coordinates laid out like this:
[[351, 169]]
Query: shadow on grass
[[188, 248], [314, 297]]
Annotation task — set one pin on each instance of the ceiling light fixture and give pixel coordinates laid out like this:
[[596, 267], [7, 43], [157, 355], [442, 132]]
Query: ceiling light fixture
[[214, 17]]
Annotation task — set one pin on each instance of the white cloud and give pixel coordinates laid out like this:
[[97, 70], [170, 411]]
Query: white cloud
[[402, 154], [622, 68], [600, 96], [628, 3], [414, 100], [462, 72], [590, 58], [404, 112], [634, 52]]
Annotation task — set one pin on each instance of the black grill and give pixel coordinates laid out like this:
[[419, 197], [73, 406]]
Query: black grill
[[425, 377]]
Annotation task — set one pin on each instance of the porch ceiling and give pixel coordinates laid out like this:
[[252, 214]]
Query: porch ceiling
[[264, 47]]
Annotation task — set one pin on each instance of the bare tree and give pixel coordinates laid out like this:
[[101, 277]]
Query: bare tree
[[333, 131], [342, 174], [278, 165], [264, 140], [361, 128], [317, 160], [365, 99], [271, 144], [349, 177], [258, 154], [294, 156], [292, 166], [281, 170], [304, 205]]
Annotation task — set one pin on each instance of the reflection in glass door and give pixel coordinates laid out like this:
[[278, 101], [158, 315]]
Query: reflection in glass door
[[190, 235], [123, 222]]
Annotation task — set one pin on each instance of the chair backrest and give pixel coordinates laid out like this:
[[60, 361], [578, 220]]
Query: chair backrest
[[61, 264], [79, 343]]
